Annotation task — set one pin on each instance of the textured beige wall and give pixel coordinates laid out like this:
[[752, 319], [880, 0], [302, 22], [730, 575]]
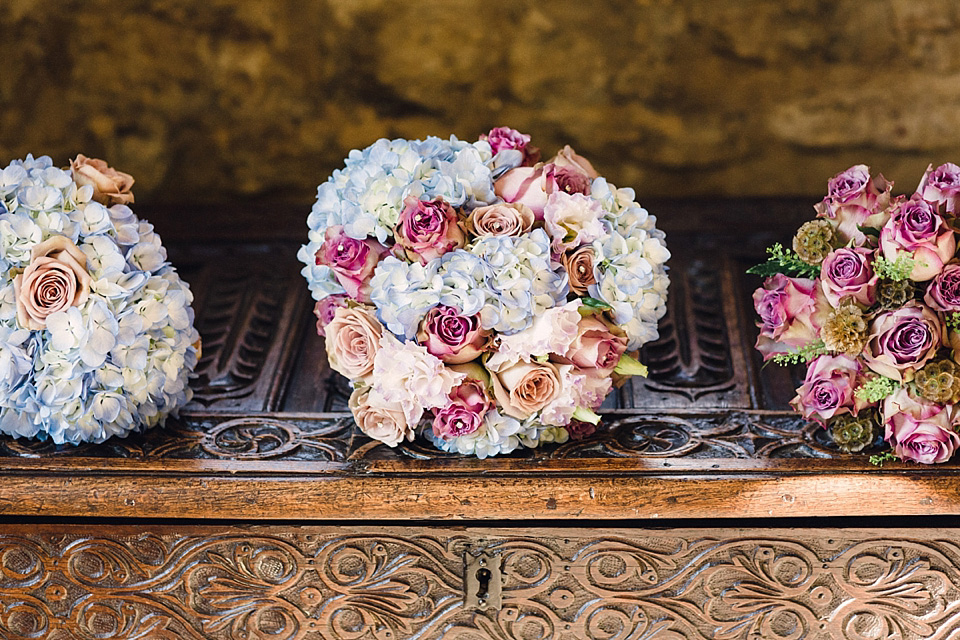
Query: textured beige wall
[[224, 100]]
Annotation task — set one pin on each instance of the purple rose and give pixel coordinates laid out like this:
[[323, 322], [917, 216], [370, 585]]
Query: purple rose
[[918, 430], [916, 227], [352, 261], [452, 337], [325, 310], [903, 340], [943, 294], [942, 186], [505, 139], [848, 273], [427, 230], [579, 430], [790, 313], [855, 199], [827, 390]]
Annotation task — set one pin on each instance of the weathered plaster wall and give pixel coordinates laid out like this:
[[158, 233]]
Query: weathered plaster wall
[[223, 100]]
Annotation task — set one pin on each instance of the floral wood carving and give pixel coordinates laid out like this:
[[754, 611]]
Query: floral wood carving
[[292, 583]]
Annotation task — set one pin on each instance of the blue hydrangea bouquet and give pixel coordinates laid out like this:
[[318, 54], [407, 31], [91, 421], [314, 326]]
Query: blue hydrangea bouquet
[[477, 295], [96, 328]]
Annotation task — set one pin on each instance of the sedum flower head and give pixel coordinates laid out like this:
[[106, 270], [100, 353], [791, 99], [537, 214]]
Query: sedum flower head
[[814, 240], [845, 330], [893, 294], [939, 381], [853, 433]]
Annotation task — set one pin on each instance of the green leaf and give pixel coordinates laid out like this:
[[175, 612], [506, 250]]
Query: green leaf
[[899, 269], [806, 353], [628, 366], [880, 458], [595, 304], [869, 231], [584, 414], [785, 261]]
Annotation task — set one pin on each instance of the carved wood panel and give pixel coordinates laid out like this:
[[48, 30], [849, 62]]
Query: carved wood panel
[[287, 583]]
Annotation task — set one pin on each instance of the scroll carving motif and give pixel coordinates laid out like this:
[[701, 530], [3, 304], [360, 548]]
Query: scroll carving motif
[[293, 583]]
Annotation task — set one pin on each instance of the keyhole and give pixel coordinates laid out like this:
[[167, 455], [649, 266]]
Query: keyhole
[[483, 580]]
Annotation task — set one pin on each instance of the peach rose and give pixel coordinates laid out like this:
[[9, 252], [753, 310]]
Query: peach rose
[[383, 421], [55, 280], [579, 267], [505, 219], [109, 185], [524, 388], [353, 337]]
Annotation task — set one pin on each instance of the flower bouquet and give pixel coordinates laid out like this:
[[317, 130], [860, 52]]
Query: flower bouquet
[[869, 298], [96, 329], [480, 296]]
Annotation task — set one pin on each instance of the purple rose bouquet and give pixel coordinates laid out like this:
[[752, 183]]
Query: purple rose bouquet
[[477, 295], [869, 299]]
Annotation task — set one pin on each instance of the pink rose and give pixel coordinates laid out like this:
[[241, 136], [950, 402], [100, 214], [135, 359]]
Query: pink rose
[[903, 340], [943, 294], [505, 138], [55, 280], [916, 227], [597, 345], [848, 273], [504, 219], [567, 158], [452, 337], [532, 186], [578, 264], [469, 403], [827, 390], [524, 388], [353, 337], [427, 230], [380, 420], [919, 430], [572, 220], [454, 420], [854, 200], [580, 430], [791, 313], [352, 261], [942, 186], [325, 308], [109, 185]]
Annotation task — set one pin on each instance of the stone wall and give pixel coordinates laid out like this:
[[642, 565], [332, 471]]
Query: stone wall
[[225, 100]]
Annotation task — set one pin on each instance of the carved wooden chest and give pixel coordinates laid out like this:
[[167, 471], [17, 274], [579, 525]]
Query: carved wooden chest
[[702, 509]]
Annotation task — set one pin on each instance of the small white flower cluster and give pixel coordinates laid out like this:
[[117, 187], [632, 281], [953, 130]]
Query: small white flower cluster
[[119, 359]]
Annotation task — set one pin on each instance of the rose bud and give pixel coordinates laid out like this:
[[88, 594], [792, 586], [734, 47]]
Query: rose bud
[[352, 261], [506, 139], [452, 337], [941, 186], [916, 227], [427, 230]]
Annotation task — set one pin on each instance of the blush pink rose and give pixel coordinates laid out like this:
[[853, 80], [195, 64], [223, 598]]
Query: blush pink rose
[[943, 293], [903, 340], [916, 227], [567, 158], [504, 219], [848, 273], [941, 186], [919, 430], [352, 261], [791, 313], [325, 308], [454, 420], [578, 264], [524, 388], [827, 390], [379, 419], [427, 230], [55, 280], [469, 403], [452, 337], [855, 199], [597, 345], [110, 186], [505, 139], [353, 338], [533, 186]]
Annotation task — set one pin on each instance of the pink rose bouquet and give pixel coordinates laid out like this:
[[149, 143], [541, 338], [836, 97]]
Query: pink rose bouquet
[[484, 299], [869, 299]]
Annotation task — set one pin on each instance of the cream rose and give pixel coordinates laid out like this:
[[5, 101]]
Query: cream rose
[[353, 337], [109, 185], [56, 279], [505, 219], [524, 388], [383, 421]]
